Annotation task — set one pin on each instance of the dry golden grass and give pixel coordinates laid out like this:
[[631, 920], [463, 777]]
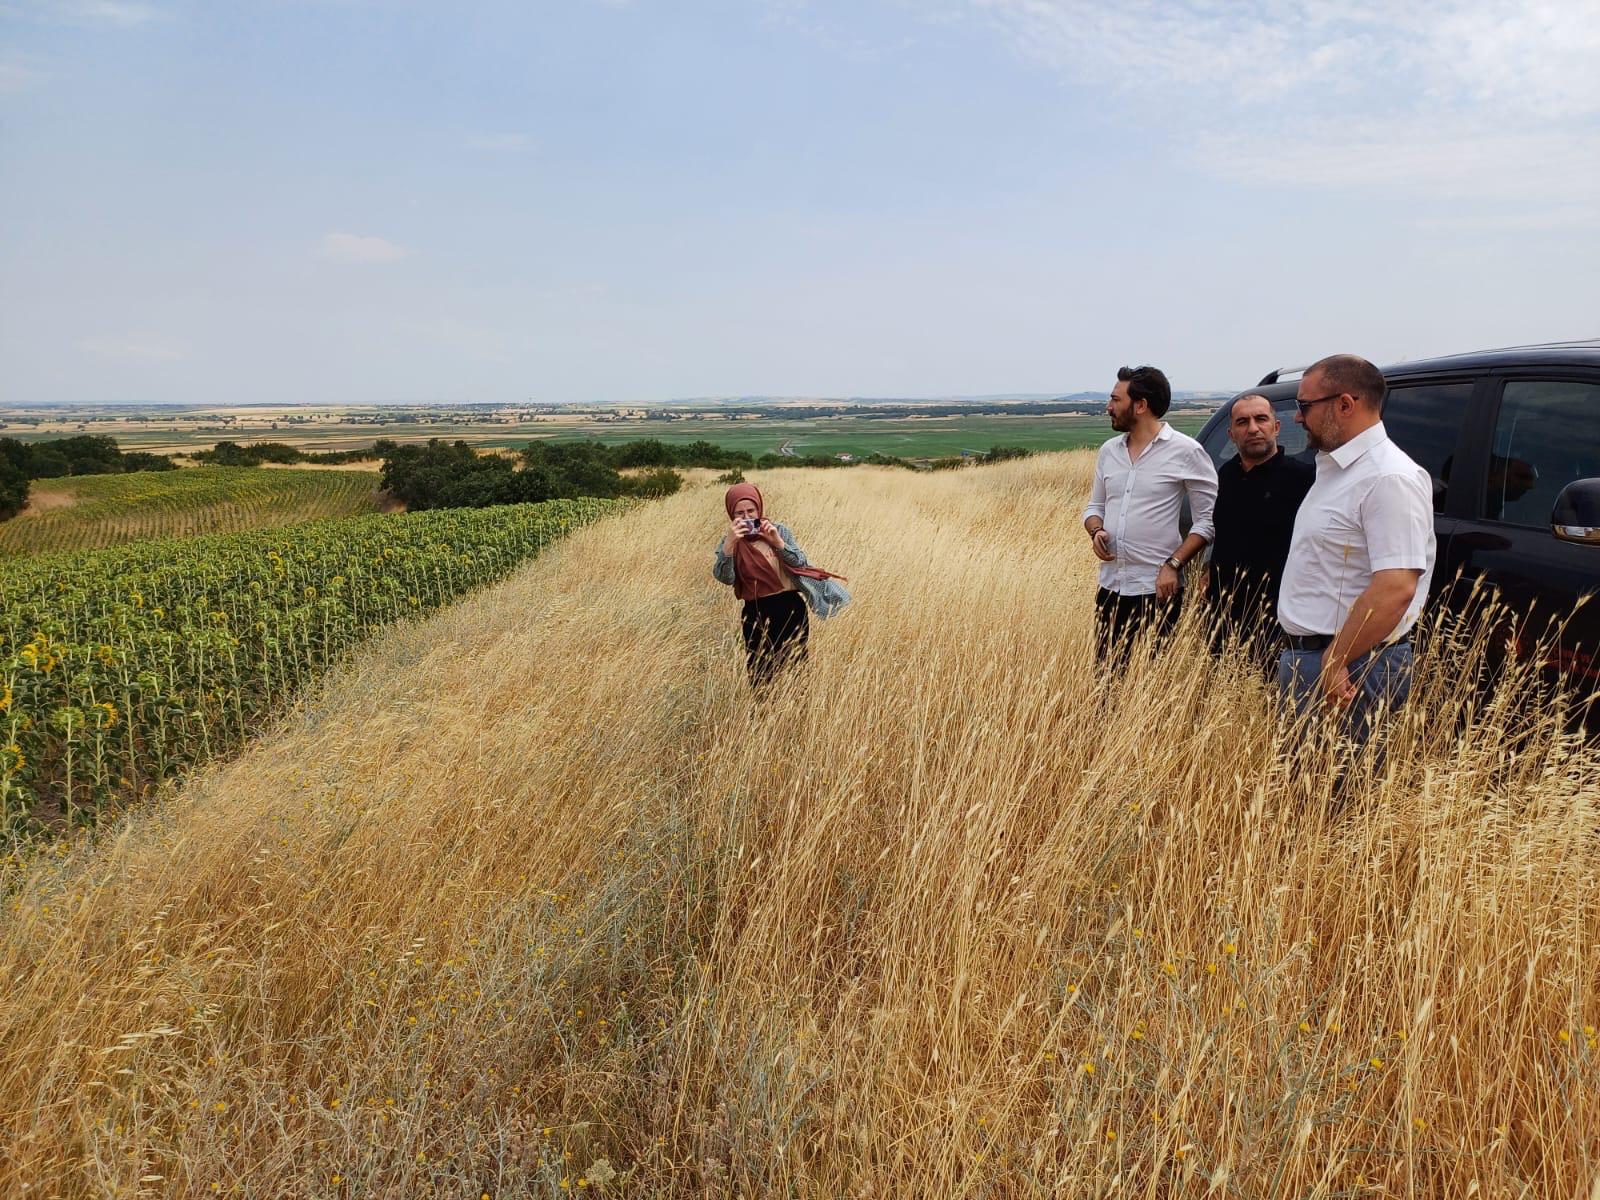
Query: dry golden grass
[[532, 902]]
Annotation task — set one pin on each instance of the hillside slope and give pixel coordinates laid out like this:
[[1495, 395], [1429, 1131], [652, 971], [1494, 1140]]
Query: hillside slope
[[532, 901], [89, 512]]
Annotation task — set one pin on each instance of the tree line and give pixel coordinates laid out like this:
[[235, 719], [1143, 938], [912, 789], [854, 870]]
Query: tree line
[[232, 454], [440, 474], [85, 454]]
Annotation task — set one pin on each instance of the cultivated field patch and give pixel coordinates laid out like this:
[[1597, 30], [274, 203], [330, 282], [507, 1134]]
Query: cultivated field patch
[[93, 511]]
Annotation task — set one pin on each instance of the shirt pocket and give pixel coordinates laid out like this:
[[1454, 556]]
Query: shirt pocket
[[1339, 534]]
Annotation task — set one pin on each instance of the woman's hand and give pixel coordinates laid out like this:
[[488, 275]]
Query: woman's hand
[[734, 537], [770, 534]]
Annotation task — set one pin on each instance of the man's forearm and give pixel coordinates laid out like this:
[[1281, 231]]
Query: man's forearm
[[1372, 618], [1192, 545]]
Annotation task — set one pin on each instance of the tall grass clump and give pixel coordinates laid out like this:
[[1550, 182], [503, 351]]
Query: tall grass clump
[[536, 902]]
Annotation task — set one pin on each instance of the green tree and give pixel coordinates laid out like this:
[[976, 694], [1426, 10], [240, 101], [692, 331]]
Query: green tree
[[653, 484], [13, 478], [139, 460]]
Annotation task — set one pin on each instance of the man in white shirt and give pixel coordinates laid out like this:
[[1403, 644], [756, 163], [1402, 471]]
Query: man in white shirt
[[1140, 481], [1361, 556]]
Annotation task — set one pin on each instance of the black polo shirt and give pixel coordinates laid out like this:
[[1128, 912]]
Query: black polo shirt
[[1255, 521]]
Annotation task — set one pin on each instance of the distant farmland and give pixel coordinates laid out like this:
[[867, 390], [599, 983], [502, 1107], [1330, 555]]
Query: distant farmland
[[908, 436], [913, 437]]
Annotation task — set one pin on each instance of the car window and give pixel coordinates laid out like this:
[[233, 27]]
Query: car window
[[1292, 437], [1425, 420], [1547, 435]]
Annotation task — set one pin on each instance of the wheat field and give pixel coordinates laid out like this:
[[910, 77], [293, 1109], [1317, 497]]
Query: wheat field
[[531, 901]]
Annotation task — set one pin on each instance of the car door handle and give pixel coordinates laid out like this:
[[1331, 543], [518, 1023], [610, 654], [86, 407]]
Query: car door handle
[[1478, 539]]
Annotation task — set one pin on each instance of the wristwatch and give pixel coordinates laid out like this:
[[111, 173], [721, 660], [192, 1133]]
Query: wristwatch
[[1175, 562]]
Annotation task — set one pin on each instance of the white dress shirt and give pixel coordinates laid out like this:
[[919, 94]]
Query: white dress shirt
[[1140, 503], [1370, 509]]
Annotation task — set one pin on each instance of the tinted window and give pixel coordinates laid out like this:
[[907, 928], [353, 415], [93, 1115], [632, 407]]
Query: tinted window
[[1292, 437], [1547, 435], [1425, 422]]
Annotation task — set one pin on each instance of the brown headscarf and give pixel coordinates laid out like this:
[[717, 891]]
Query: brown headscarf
[[757, 569]]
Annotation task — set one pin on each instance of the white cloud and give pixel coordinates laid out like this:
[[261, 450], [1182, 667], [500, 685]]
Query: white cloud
[[1539, 57], [1536, 58], [1139, 43], [500, 143], [134, 349], [1537, 219], [1460, 98], [1443, 157], [357, 248], [116, 14]]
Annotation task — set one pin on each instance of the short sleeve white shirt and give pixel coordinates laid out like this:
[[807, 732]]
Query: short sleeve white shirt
[[1140, 503], [1370, 509]]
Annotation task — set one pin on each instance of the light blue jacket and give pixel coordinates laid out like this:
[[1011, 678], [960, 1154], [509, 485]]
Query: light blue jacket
[[823, 596]]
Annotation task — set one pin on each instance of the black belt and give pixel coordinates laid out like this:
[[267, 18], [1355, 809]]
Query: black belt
[[1310, 641], [1321, 641]]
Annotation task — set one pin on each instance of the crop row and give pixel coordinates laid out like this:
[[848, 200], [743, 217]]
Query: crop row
[[92, 511], [122, 667]]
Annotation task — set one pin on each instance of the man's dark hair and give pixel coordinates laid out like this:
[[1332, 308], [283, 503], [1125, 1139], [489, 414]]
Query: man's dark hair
[[1149, 385], [1353, 374]]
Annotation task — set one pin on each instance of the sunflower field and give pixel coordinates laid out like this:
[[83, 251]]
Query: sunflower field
[[90, 512], [122, 667]]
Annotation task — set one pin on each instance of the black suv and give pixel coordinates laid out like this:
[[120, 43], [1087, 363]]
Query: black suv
[[1512, 440]]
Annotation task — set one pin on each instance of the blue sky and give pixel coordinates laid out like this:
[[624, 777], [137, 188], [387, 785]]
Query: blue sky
[[359, 201]]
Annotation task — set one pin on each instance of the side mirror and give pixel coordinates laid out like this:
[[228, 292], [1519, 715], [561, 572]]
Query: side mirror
[[1576, 516]]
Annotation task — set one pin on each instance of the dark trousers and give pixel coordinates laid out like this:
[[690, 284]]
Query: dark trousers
[[1251, 619], [775, 633], [1118, 620]]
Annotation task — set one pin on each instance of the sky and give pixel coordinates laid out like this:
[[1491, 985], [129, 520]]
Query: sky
[[630, 201]]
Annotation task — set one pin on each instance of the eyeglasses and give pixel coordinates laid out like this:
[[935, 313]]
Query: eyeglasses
[[1304, 405]]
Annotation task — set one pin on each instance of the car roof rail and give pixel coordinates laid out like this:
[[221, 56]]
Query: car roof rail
[[1276, 376], [1561, 344], [1272, 377]]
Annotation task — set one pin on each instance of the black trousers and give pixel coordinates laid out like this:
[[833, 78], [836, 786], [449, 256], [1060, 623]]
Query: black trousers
[[775, 632], [1251, 617], [1118, 620]]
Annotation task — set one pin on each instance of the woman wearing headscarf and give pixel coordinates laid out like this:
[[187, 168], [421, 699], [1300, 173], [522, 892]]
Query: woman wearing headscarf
[[766, 568]]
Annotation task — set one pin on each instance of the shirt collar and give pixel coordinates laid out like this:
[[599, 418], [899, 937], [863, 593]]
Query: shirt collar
[[1238, 463], [1352, 450], [1166, 432]]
